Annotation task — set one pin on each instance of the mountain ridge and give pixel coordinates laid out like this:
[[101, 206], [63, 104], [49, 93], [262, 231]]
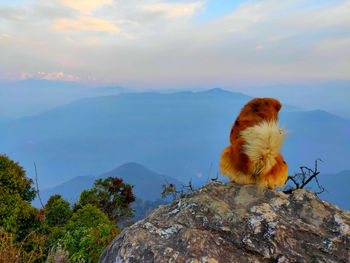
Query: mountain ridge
[[181, 135], [147, 183]]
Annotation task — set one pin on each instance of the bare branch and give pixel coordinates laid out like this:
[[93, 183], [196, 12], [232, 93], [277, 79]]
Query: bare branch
[[216, 178], [209, 173], [170, 189], [303, 178], [37, 185], [294, 181]]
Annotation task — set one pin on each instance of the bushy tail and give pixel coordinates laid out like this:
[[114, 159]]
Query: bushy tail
[[263, 144]]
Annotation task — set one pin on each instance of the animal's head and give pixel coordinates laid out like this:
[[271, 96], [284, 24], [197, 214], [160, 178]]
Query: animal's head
[[264, 108]]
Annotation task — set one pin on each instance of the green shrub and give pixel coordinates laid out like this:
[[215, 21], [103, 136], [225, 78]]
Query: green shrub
[[13, 179], [110, 195], [87, 216], [87, 234], [57, 211], [17, 215]]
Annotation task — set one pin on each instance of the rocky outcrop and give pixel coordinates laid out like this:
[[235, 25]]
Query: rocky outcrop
[[226, 222]]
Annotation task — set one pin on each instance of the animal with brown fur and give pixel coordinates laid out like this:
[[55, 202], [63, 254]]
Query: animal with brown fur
[[256, 139]]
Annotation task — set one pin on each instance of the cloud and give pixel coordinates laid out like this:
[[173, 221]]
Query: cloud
[[162, 41], [128, 36], [50, 76], [60, 76], [333, 44], [335, 14], [86, 6], [172, 10], [5, 36], [83, 23]]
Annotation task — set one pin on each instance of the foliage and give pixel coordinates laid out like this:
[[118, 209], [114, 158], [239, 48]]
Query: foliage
[[87, 243], [57, 211], [14, 180], [112, 196], [57, 215], [13, 251], [86, 234], [18, 217], [87, 216], [55, 233], [57, 255], [52, 200]]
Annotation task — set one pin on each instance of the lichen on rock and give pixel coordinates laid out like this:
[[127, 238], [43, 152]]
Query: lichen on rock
[[226, 222]]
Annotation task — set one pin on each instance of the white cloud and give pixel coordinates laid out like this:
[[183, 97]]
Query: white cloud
[[173, 10], [336, 16], [60, 76], [83, 23], [278, 38], [128, 36], [159, 42], [333, 44], [50, 76]]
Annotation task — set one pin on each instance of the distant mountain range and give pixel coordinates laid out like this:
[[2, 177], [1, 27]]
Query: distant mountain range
[[34, 96], [331, 96], [179, 134], [147, 184], [148, 187], [337, 188]]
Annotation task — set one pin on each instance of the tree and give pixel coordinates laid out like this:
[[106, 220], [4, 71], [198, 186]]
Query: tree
[[17, 215], [87, 234], [87, 216], [13, 179], [19, 220], [110, 195], [57, 211]]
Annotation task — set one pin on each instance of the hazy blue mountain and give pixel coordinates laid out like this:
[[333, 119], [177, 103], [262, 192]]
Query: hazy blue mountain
[[147, 183], [69, 190], [316, 134], [331, 96], [337, 188], [4, 119], [33, 96], [178, 134]]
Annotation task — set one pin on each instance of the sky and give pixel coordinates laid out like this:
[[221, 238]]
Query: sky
[[175, 43]]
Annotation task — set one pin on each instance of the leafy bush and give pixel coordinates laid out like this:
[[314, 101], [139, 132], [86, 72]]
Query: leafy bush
[[87, 243], [112, 196], [16, 193], [57, 211], [55, 233], [14, 180], [21, 223], [87, 216], [87, 234], [14, 251]]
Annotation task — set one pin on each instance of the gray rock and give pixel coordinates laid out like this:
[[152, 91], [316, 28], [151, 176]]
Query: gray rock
[[226, 222]]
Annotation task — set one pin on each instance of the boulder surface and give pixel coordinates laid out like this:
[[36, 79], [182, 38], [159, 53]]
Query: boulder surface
[[226, 222]]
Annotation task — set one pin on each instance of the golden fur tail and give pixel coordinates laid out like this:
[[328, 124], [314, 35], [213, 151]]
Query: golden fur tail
[[263, 143]]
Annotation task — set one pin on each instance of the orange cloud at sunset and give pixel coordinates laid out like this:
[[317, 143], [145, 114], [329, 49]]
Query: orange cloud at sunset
[[85, 5]]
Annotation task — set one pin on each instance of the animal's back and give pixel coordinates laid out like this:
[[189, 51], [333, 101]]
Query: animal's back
[[256, 139]]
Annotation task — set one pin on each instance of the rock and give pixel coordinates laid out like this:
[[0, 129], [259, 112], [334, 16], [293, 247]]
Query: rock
[[226, 222]]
